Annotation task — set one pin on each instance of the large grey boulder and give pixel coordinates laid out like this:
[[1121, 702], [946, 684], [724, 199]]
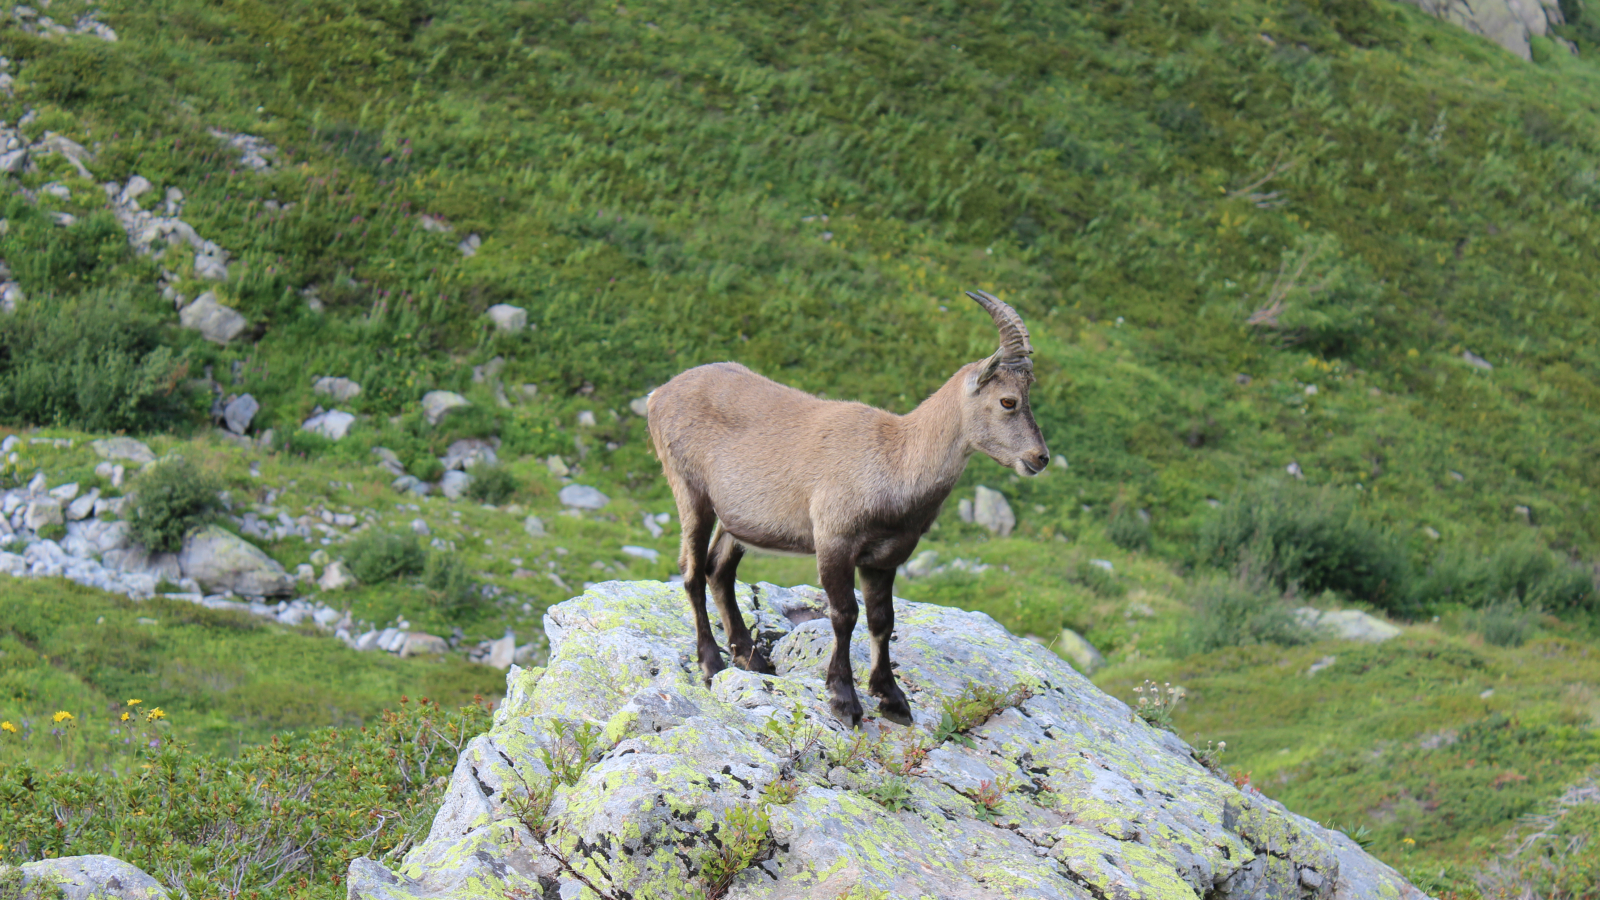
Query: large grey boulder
[[469, 452], [221, 561], [1085, 800], [435, 404], [990, 509], [124, 448], [454, 484], [1509, 23], [215, 322], [85, 877]]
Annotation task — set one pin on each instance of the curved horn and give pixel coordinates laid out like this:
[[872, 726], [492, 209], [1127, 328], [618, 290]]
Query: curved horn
[[1014, 344]]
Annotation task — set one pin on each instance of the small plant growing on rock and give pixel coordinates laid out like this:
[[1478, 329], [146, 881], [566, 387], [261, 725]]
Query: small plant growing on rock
[[974, 707], [891, 793], [1211, 756], [989, 797], [793, 738], [173, 498], [1157, 702], [781, 791], [54, 531], [743, 837], [910, 758]]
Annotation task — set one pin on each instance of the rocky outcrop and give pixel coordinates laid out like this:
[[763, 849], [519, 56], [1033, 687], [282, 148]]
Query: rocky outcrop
[[215, 322], [85, 877], [1063, 793], [1509, 23], [436, 404]]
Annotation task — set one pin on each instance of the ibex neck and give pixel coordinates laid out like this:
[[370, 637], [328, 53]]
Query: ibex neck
[[936, 448]]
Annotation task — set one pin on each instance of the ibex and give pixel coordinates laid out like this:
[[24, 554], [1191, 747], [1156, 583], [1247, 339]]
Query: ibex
[[755, 464]]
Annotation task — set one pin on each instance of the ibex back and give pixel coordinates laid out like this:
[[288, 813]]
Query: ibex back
[[753, 463]]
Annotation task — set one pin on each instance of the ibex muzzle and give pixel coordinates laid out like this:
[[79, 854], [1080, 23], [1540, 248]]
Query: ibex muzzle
[[781, 470]]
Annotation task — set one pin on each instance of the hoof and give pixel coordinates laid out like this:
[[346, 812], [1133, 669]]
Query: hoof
[[896, 711], [758, 663], [847, 712], [710, 666]]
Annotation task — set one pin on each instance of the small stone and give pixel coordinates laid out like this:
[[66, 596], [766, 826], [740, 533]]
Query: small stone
[[1430, 533], [469, 246], [336, 577], [42, 513], [410, 484], [320, 558], [333, 424], [586, 418], [644, 553], [419, 644], [454, 484], [507, 318], [651, 526], [1075, 649], [502, 653], [581, 496], [436, 404], [342, 390], [420, 527], [1476, 361], [1347, 625], [136, 187], [238, 413], [557, 466], [640, 406], [991, 510], [534, 527], [83, 507], [964, 510], [65, 492], [215, 322]]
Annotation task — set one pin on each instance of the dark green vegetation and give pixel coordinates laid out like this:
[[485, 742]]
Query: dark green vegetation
[[1244, 234], [173, 498]]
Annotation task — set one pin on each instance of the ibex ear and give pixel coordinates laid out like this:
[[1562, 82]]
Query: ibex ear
[[984, 374]]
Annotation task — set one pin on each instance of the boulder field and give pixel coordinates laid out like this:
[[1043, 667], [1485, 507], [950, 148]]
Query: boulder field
[[614, 772]]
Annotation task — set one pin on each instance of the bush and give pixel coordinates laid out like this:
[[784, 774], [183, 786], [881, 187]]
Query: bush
[[173, 498], [101, 369], [1128, 530], [1521, 573], [1306, 539], [1233, 612], [1505, 624], [492, 484], [450, 589], [377, 556]]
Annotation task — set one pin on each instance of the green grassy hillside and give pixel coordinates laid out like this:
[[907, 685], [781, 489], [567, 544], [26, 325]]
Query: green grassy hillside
[[1244, 235]]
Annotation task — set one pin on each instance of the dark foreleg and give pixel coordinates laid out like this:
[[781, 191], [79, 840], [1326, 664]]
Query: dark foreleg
[[723, 567], [836, 571], [877, 591], [698, 521]]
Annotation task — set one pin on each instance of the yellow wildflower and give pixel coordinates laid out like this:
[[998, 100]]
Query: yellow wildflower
[[154, 714], [124, 717], [135, 701], [8, 728], [62, 716]]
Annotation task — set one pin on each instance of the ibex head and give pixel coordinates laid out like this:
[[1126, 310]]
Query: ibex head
[[995, 411]]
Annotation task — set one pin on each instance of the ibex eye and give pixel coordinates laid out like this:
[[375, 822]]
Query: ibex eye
[[1008, 403]]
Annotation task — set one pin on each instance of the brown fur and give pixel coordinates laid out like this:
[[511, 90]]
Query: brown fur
[[782, 470]]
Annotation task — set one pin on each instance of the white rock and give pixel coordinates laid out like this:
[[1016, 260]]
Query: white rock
[[990, 509], [507, 318], [420, 526], [651, 526], [557, 466], [436, 404], [65, 492], [42, 513], [336, 577], [135, 188], [83, 507], [1347, 625], [215, 322], [340, 389], [333, 424], [124, 448], [640, 406], [99, 877], [644, 553], [211, 266], [221, 561], [586, 418], [503, 652], [454, 484], [469, 245], [581, 496], [964, 509], [239, 412], [533, 526], [464, 454]]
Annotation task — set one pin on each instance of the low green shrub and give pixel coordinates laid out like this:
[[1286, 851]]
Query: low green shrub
[[377, 556], [1505, 624], [492, 484], [1523, 573], [1128, 530], [1309, 539], [173, 498], [450, 588], [1232, 612], [426, 467], [95, 364]]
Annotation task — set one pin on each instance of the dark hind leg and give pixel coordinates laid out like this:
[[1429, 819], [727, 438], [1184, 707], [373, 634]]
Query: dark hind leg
[[877, 591], [698, 521], [722, 565]]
